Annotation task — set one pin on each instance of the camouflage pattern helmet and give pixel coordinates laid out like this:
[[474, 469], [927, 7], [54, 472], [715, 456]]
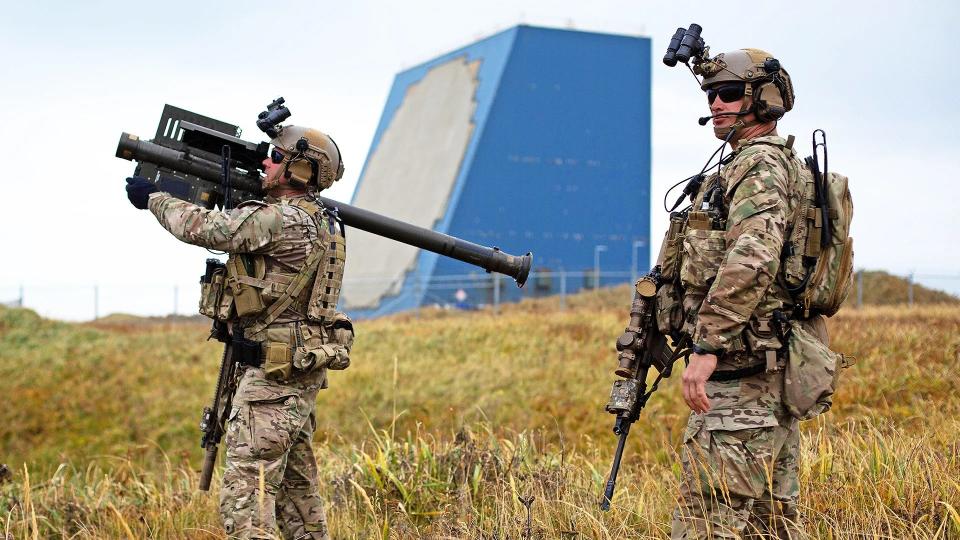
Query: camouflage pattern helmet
[[312, 157], [766, 81]]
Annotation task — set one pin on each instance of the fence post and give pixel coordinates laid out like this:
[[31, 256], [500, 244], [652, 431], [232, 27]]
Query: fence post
[[860, 288], [563, 289], [910, 289], [496, 293], [416, 295], [176, 298], [96, 302]]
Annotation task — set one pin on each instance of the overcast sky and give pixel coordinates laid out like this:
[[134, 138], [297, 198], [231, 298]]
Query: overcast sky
[[878, 77]]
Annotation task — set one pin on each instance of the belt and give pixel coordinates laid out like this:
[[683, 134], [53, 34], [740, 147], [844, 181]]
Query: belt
[[734, 374]]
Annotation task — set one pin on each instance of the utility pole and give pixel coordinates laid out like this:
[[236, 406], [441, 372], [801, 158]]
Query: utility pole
[[563, 289], [635, 260]]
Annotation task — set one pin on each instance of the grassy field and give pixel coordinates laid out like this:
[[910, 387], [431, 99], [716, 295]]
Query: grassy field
[[444, 420]]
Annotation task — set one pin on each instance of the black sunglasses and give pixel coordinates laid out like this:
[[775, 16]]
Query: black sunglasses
[[276, 156], [728, 93]]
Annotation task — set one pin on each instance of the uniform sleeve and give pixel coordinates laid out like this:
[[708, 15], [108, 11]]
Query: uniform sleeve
[[756, 226], [245, 229]]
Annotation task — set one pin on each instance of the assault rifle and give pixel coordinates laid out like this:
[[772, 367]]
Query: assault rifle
[[214, 418], [640, 347]]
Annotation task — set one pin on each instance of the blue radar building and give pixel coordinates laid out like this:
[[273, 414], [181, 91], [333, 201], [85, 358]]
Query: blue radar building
[[533, 139]]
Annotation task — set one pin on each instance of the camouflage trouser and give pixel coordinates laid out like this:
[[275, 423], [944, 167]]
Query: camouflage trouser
[[740, 484], [270, 478]]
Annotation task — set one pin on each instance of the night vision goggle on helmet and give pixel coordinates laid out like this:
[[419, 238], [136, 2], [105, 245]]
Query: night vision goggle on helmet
[[760, 73], [309, 156]]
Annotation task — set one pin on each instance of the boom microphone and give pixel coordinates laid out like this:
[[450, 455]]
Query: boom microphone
[[704, 119]]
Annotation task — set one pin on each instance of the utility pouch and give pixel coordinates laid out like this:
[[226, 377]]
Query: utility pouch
[[277, 360], [248, 302], [327, 356], [278, 352], [246, 297], [762, 341], [812, 373], [703, 251]]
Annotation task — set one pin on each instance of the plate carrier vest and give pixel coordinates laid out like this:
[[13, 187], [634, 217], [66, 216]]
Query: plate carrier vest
[[244, 291]]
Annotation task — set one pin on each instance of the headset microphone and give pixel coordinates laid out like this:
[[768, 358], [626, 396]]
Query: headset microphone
[[704, 119]]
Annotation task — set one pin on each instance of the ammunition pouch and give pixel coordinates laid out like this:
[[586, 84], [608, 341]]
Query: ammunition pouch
[[669, 309], [671, 250], [216, 300]]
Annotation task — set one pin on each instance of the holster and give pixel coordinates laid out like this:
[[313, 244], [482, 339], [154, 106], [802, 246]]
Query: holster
[[246, 352]]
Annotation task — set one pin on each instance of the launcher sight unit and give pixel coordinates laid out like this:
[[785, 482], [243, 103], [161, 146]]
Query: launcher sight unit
[[204, 161]]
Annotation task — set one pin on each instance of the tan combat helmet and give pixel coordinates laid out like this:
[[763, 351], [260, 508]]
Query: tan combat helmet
[[766, 81], [312, 157]]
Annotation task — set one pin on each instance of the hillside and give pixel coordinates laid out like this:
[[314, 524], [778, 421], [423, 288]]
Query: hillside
[[445, 418], [881, 288]]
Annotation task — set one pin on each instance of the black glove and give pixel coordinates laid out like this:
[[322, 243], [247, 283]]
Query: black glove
[[139, 190]]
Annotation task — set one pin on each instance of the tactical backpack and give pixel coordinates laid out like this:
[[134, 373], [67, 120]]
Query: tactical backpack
[[817, 258]]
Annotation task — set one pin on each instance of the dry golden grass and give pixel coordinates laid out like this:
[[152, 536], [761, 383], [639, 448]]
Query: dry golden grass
[[445, 419]]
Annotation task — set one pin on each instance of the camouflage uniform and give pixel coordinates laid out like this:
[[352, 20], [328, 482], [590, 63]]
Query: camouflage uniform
[[740, 459], [270, 477]]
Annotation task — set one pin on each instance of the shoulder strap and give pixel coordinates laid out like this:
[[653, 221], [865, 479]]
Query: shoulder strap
[[303, 277]]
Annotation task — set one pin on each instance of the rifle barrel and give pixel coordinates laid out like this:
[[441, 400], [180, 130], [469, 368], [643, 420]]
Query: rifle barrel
[[206, 472], [615, 469]]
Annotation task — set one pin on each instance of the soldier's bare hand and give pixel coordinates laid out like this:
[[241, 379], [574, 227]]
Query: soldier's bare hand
[[695, 381]]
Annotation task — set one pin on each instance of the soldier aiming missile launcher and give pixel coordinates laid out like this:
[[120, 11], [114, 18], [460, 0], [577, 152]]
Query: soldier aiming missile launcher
[[204, 161], [190, 154]]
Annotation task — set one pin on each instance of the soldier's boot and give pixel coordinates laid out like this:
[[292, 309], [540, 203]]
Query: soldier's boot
[[776, 512], [300, 515], [246, 511], [300, 510], [711, 519], [776, 519]]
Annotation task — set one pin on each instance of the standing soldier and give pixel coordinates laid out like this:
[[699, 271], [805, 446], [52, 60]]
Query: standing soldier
[[729, 296], [280, 288]]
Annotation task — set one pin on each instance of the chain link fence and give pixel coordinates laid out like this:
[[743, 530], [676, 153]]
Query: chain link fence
[[467, 291]]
